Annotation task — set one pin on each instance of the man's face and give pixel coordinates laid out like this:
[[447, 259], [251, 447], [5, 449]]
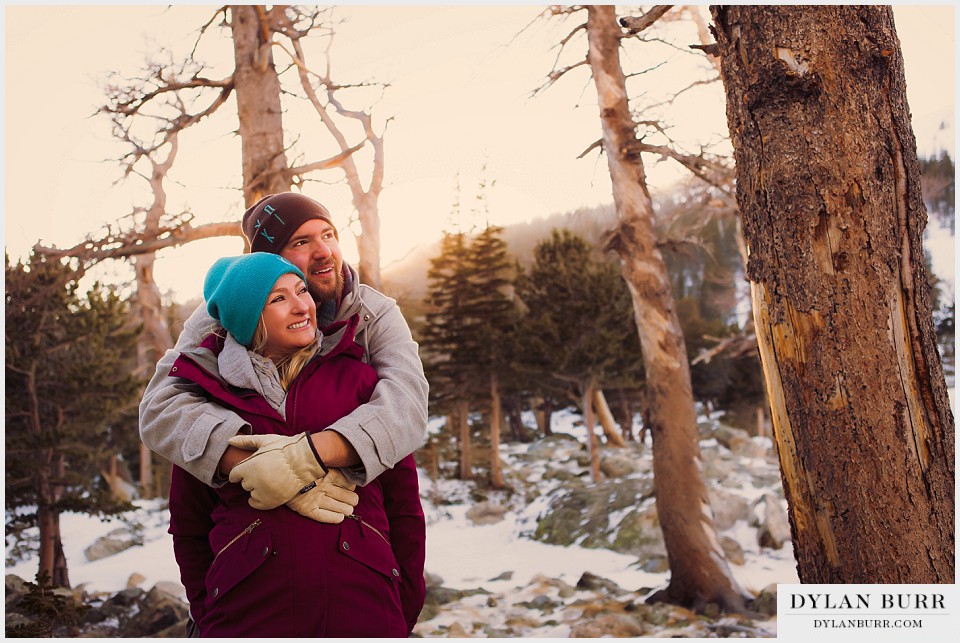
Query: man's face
[[314, 249]]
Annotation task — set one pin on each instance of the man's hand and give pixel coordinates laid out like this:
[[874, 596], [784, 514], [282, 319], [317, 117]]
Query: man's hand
[[329, 501], [278, 469]]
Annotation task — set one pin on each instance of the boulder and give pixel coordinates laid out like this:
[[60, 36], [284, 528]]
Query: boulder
[[113, 543], [158, 615], [608, 625], [549, 447], [774, 529], [591, 581], [616, 465], [727, 508], [734, 439], [135, 580], [16, 588], [732, 550], [486, 513], [766, 601], [611, 514]]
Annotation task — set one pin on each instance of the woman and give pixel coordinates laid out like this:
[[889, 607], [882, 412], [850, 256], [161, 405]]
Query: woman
[[278, 573]]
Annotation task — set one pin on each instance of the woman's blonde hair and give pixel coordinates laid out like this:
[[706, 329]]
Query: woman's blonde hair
[[289, 365]]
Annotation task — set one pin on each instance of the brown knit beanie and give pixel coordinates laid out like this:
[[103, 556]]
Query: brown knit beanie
[[270, 222]]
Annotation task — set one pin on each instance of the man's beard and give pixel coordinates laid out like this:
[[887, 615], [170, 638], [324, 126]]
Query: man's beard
[[323, 293]]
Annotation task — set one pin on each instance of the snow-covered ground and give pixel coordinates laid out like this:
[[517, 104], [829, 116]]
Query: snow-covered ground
[[464, 555]]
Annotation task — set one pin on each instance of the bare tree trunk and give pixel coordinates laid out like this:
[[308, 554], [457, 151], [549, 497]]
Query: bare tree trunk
[[496, 473], [699, 573], [589, 390], [464, 442], [368, 242], [53, 563], [545, 417], [606, 420], [626, 416], [257, 89], [829, 190], [515, 419]]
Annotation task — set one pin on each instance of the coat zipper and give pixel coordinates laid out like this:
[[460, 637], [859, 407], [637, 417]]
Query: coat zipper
[[371, 527], [256, 523]]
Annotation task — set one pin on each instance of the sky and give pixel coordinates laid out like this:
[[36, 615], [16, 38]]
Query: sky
[[459, 100]]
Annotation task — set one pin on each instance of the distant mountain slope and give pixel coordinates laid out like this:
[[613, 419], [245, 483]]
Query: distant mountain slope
[[406, 278]]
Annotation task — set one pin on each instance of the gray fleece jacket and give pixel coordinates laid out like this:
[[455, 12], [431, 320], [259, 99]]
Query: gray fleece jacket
[[182, 426]]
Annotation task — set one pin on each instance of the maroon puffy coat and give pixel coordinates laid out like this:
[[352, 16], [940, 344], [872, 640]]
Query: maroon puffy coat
[[275, 573]]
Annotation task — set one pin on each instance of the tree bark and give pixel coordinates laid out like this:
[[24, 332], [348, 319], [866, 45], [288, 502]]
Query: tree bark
[[829, 191], [699, 573], [588, 422], [614, 438], [464, 443], [257, 89], [53, 563], [496, 473], [626, 416]]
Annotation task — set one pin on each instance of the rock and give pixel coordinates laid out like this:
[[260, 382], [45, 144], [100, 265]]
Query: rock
[[774, 527], [486, 513], [457, 630], [135, 580], [766, 601], [727, 508], [656, 565], [543, 603], [550, 446], [716, 467], [15, 621], [442, 595], [126, 597], [113, 543], [159, 614], [171, 589], [521, 621], [608, 625], [560, 474], [734, 439], [732, 550], [16, 588], [597, 583], [504, 576], [639, 533], [618, 466], [432, 580], [581, 513]]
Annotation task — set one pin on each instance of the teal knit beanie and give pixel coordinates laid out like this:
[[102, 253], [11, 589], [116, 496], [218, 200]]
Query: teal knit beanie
[[236, 289]]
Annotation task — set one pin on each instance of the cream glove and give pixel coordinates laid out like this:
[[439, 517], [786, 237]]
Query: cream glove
[[329, 500], [279, 468]]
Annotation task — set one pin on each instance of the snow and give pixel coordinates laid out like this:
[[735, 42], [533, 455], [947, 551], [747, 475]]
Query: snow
[[464, 555]]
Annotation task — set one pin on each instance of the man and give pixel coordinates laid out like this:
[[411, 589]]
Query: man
[[183, 427]]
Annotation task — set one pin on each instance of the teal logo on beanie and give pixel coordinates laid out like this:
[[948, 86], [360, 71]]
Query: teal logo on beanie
[[270, 222], [236, 289]]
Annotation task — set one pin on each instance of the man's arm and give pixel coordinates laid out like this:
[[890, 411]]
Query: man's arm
[[182, 425], [393, 424]]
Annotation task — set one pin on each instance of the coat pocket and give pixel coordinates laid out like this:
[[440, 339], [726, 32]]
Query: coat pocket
[[368, 546], [238, 559]]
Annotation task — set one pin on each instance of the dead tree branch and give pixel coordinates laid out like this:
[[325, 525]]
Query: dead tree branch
[[93, 251], [636, 24]]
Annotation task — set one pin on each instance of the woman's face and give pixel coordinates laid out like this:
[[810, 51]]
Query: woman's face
[[289, 317]]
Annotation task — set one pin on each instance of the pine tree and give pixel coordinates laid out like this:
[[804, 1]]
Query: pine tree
[[490, 320], [444, 343], [578, 325], [67, 377]]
